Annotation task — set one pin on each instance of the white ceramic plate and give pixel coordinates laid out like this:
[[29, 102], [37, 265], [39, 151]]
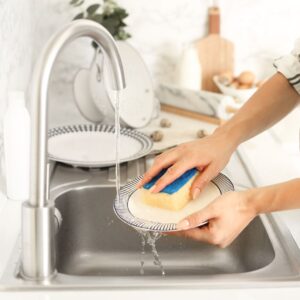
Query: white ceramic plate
[[131, 209], [83, 97], [137, 102], [90, 145]]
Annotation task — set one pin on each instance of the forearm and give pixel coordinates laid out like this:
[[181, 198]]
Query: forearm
[[276, 197], [274, 100]]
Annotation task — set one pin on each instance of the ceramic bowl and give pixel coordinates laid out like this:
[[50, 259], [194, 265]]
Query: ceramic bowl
[[241, 94]]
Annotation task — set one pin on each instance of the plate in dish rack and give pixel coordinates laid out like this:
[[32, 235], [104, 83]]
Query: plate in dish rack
[[131, 209], [94, 146]]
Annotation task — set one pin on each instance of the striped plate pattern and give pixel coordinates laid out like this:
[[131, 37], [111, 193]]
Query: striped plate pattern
[[144, 140], [222, 182]]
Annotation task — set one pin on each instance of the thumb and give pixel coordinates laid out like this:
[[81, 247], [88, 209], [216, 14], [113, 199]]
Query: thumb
[[195, 219], [202, 179]]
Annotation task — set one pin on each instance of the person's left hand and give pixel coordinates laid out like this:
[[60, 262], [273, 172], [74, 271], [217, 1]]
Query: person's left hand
[[227, 216]]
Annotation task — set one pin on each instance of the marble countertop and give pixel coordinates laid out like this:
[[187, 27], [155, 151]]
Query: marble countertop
[[254, 153]]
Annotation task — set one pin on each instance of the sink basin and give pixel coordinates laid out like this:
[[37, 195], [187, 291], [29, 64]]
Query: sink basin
[[92, 241], [95, 250]]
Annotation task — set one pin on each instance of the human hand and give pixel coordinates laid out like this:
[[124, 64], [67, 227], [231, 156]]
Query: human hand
[[227, 216], [209, 155]]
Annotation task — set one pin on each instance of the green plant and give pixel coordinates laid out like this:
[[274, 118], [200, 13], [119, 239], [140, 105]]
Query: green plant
[[107, 13]]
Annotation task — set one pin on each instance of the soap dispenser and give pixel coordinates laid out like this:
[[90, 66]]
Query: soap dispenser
[[16, 138]]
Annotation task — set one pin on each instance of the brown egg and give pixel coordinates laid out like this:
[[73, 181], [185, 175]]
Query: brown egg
[[246, 78], [244, 86]]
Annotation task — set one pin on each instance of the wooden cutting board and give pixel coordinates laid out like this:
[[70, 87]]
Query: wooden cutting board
[[216, 54]]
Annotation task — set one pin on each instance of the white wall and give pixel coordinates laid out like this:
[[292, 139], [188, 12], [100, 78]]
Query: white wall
[[260, 29]]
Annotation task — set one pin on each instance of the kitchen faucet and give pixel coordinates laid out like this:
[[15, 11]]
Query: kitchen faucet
[[38, 228]]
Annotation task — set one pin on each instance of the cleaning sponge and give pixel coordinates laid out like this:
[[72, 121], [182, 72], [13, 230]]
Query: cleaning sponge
[[174, 196]]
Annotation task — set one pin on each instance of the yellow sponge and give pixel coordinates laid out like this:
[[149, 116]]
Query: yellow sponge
[[173, 197]]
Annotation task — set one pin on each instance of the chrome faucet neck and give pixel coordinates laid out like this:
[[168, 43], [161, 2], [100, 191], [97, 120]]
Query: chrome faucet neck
[[38, 254], [39, 95]]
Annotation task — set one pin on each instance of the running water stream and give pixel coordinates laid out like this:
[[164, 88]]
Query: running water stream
[[150, 238], [117, 134], [147, 237]]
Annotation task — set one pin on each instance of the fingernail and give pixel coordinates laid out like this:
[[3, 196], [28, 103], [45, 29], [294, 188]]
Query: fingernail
[[196, 193], [184, 224]]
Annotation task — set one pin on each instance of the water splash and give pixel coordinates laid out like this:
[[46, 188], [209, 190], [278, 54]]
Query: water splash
[[150, 238], [143, 252]]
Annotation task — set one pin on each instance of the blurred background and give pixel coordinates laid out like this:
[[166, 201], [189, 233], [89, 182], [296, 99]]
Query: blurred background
[[260, 30]]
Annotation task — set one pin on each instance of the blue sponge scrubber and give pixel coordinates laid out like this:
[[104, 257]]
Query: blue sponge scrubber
[[174, 196]]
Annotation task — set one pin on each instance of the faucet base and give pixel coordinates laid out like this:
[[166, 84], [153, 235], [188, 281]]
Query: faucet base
[[38, 242]]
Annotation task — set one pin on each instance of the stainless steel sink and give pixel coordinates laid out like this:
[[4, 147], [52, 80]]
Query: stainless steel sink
[[96, 250], [93, 242]]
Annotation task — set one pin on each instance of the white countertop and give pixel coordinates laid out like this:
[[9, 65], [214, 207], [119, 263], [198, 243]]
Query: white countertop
[[259, 163]]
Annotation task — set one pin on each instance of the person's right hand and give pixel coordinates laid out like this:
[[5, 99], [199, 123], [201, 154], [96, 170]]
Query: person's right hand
[[221, 230], [209, 155]]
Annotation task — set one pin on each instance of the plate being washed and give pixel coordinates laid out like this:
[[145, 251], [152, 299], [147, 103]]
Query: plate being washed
[[94, 146], [131, 209]]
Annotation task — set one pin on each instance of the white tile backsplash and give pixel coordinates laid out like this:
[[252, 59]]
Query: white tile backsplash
[[260, 29]]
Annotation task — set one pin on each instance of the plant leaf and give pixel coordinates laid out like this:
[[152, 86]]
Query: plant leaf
[[79, 16], [92, 8], [97, 18], [121, 13], [122, 23], [76, 2], [111, 24], [112, 17], [122, 35]]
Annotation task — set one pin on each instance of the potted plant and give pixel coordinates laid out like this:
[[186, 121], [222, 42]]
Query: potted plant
[[110, 15], [107, 13]]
